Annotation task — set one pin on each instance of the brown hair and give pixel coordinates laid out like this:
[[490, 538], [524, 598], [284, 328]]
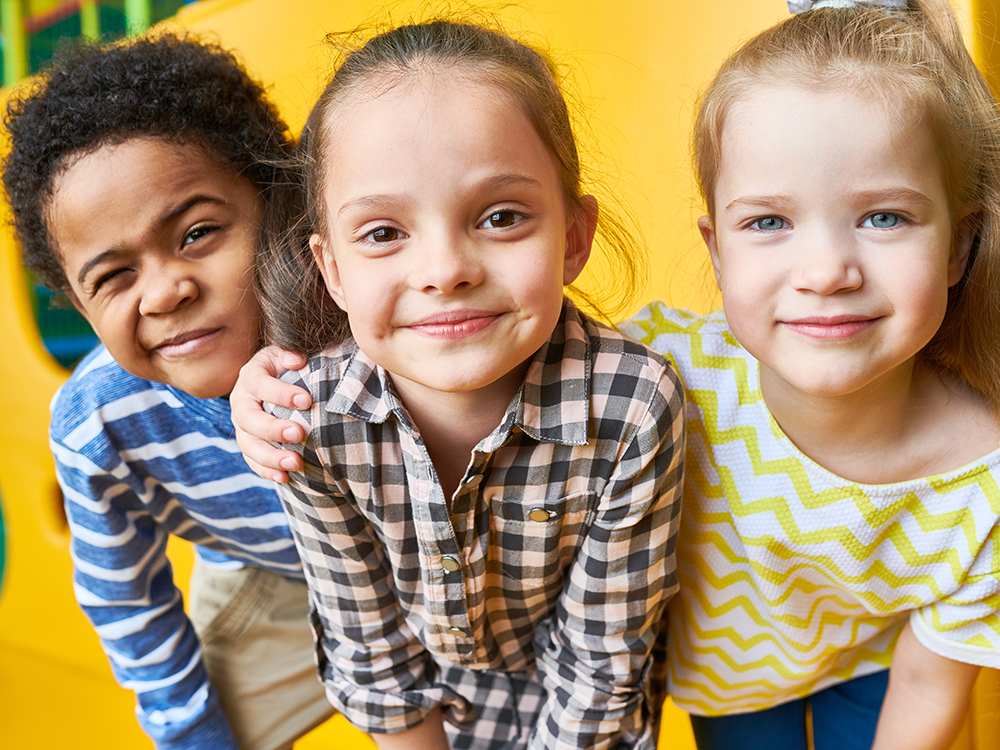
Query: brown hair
[[915, 60], [298, 312]]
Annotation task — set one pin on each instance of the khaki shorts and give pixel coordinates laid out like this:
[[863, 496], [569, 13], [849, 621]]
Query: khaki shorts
[[258, 648]]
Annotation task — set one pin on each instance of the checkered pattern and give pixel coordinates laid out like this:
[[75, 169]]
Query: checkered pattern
[[563, 529]]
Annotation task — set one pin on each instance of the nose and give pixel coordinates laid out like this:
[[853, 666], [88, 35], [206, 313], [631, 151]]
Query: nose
[[447, 264], [826, 264], [168, 287]]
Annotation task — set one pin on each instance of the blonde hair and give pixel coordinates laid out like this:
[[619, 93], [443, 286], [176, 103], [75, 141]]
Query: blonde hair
[[298, 313], [915, 60]]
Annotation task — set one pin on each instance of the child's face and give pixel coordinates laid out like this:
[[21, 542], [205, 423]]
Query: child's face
[[157, 241], [833, 242], [448, 242]]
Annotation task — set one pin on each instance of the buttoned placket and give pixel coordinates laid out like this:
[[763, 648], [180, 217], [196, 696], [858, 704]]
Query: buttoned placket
[[444, 542]]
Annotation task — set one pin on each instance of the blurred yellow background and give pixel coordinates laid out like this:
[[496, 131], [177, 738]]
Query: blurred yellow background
[[634, 69]]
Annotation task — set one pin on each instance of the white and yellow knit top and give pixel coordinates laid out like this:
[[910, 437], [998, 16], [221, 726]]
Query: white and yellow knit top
[[792, 578]]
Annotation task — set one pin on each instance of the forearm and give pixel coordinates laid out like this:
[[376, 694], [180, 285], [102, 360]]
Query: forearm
[[127, 592], [926, 700], [427, 735]]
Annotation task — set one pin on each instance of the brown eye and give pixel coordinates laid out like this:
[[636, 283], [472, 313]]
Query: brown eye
[[500, 219], [384, 234]]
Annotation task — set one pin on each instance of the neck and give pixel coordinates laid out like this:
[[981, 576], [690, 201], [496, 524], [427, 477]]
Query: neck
[[452, 424], [910, 423]]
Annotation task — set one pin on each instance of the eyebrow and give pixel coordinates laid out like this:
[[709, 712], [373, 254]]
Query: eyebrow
[[888, 195], [495, 182], [760, 201], [161, 222]]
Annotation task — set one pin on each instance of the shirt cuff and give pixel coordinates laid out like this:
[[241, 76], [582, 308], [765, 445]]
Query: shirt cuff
[[210, 732]]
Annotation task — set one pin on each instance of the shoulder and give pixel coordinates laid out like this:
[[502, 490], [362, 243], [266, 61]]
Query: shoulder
[[104, 412], [631, 385], [97, 382], [325, 366], [611, 351], [701, 347], [340, 373]]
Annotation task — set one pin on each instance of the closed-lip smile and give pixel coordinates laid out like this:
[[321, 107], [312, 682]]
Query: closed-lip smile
[[831, 326], [185, 343], [454, 324]]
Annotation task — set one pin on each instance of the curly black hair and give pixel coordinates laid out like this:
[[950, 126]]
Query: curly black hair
[[172, 87]]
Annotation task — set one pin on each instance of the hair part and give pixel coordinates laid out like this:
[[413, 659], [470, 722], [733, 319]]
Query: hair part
[[915, 62], [170, 87], [293, 295]]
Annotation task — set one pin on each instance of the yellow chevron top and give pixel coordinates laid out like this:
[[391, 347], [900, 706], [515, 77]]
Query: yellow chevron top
[[792, 578]]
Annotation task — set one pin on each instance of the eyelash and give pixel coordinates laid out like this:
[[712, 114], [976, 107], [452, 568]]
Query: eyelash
[[106, 278], [370, 236], [199, 232], [754, 225], [899, 219], [517, 217]]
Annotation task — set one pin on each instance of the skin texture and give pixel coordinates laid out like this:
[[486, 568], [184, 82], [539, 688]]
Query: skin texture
[[448, 244], [157, 241], [834, 246]]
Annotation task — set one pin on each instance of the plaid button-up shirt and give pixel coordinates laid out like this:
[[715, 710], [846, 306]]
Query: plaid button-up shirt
[[555, 559]]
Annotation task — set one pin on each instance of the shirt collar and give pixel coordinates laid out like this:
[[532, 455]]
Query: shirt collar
[[552, 406]]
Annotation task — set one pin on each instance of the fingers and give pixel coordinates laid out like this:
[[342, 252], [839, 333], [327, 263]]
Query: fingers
[[279, 477], [254, 427], [253, 423], [266, 461], [259, 378]]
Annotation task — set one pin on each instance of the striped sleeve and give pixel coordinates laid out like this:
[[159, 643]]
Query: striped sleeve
[[964, 625], [124, 583]]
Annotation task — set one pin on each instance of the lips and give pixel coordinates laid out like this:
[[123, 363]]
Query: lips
[[832, 327], [454, 324], [186, 342]]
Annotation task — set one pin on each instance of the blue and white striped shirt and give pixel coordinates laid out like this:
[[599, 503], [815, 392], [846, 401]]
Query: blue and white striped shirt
[[138, 461]]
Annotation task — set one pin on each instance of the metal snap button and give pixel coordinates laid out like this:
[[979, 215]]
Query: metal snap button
[[539, 515], [449, 563]]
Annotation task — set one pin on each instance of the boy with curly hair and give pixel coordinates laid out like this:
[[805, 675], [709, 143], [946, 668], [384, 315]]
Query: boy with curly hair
[[138, 175]]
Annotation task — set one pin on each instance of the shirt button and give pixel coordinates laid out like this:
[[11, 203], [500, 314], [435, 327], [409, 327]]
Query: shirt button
[[474, 480], [450, 563], [459, 631], [540, 515]]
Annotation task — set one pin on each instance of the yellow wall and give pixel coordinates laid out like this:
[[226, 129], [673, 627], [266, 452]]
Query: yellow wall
[[635, 67]]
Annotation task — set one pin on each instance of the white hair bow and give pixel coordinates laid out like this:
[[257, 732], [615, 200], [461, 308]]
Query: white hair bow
[[801, 6]]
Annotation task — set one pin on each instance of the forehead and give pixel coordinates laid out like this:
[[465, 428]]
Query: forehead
[[773, 127], [427, 122], [118, 195]]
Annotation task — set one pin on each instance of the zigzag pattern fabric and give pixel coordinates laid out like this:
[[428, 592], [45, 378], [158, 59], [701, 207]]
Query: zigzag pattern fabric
[[792, 578]]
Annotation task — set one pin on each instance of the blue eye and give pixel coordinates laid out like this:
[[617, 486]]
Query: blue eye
[[881, 221], [769, 224]]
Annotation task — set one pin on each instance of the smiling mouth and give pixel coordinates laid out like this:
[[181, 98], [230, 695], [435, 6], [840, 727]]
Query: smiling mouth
[[833, 327], [186, 343], [455, 325]]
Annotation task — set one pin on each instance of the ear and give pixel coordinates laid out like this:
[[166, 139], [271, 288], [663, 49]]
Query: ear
[[328, 269], [707, 230], [580, 238], [961, 246]]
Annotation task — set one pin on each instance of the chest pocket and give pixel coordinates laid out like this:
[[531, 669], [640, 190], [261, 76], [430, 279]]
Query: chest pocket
[[534, 541]]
